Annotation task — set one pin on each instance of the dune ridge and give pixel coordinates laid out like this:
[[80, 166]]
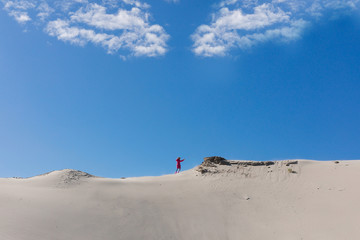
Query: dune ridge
[[220, 199]]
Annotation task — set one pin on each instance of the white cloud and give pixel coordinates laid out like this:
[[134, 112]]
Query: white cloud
[[96, 16], [244, 24], [44, 11], [18, 4], [264, 15], [117, 26], [20, 17], [141, 40], [18, 10], [136, 3]]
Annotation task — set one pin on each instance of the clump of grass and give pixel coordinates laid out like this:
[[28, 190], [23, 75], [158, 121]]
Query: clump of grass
[[291, 171]]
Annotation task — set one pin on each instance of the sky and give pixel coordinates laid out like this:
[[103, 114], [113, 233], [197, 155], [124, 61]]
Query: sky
[[121, 88]]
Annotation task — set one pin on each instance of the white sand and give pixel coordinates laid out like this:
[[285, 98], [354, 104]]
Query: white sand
[[320, 201]]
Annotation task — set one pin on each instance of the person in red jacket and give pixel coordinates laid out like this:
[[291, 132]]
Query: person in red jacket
[[178, 165]]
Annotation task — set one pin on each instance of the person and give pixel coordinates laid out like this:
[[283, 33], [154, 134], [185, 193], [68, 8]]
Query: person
[[178, 164]]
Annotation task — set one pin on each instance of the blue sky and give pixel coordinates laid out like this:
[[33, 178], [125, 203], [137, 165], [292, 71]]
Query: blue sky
[[122, 88]]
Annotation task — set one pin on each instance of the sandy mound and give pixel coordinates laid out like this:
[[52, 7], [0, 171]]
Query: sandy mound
[[220, 167], [62, 178]]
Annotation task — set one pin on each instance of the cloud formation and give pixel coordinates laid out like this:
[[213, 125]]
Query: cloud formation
[[114, 25], [245, 23], [123, 26]]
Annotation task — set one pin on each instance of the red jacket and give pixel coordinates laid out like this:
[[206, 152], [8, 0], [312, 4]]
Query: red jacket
[[178, 165]]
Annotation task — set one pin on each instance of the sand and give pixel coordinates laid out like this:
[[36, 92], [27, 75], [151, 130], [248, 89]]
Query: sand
[[313, 200]]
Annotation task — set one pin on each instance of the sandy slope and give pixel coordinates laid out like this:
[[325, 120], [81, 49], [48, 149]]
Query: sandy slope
[[320, 201]]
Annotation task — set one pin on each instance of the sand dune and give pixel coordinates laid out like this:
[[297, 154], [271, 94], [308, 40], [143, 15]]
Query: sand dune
[[304, 200]]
